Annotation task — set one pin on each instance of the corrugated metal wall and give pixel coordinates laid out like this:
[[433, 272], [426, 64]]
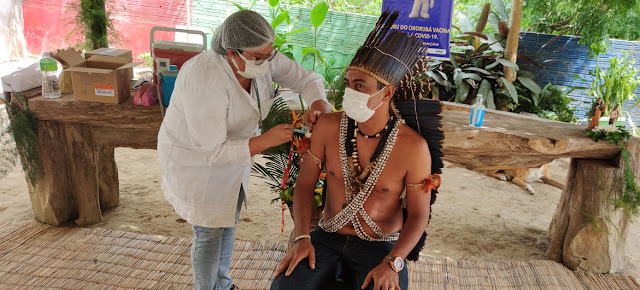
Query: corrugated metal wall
[[564, 58]]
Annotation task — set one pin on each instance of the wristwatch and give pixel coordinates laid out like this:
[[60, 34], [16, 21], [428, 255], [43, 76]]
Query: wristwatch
[[397, 264]]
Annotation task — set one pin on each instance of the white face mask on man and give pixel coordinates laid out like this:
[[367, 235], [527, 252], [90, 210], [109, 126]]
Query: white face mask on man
[[251, 69], [355, 106]]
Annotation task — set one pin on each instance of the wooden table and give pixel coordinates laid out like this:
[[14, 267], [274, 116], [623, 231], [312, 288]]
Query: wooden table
[[79, 176]]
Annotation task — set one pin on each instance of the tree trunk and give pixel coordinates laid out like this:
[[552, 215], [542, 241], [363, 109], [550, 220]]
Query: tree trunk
[[76, 177], [586, 232], [95, 26], [107, 170], [51, 200], [511, 51]]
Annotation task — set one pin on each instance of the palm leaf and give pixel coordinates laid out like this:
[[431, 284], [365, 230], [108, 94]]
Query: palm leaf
[[279, 113]]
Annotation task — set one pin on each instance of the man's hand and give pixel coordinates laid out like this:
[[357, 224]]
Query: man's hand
[[312, 115], [384, 278], [300, 250]]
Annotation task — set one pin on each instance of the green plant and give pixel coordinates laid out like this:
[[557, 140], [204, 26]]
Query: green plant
[[594, 20], [552, 103], [250, 5], [23, 127], [335, 89], [283, 42], [366, 7], [616, 84], [146, 58], [318, 14], [475, 67], [92, 19], [613, 134], [629, 200], [282, 165]]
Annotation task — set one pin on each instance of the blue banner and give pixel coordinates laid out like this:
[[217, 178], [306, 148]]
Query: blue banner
[[429, 20]]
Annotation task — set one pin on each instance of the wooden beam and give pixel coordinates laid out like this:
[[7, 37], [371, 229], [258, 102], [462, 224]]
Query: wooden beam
[[126, 137], [510, 140], [507, 140], [124, 115]]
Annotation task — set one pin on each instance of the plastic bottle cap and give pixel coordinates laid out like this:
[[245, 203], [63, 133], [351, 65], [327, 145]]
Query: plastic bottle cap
[[48, 64]]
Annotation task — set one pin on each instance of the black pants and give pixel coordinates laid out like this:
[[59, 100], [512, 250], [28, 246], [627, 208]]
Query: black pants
[[338, 256]]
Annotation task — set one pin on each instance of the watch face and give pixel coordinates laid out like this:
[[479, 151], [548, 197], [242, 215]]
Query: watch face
[[398, 264]]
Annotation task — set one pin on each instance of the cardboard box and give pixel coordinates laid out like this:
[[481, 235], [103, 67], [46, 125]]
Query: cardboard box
[[109, 52], [100, 78], [115, 52]]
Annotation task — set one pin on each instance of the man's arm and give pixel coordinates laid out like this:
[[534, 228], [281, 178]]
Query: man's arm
[[307, 179], [303, 200], [417, 201], [418, 169]]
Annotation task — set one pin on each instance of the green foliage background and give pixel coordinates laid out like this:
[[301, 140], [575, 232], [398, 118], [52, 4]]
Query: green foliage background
[[594, 20]]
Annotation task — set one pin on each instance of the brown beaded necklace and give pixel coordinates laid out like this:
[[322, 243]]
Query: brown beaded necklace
[[351, 147]]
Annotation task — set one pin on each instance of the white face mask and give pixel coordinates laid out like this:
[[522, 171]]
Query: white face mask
[[355, 106], [251, 69]]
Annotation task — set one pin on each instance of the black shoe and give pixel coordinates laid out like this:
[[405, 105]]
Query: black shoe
[[233, 287]]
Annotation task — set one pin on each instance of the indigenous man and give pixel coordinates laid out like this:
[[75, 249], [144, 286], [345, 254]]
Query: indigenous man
[[376, 165]]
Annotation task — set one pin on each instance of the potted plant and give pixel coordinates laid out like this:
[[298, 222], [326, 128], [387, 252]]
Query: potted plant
[[615, 85]]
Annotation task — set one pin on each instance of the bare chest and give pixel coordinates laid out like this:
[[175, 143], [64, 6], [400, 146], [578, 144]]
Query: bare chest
[[390, 181]]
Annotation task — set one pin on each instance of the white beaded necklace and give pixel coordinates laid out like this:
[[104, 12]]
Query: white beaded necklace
[[356, 201]]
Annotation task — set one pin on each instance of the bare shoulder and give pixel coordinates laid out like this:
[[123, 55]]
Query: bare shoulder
[[412, 140], [328, 122], [412, 145]]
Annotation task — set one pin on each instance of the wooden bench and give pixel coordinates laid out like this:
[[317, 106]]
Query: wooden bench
[[79, 176]]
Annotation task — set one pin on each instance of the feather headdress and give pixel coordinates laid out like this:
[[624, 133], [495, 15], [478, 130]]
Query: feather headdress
[[387, 55]]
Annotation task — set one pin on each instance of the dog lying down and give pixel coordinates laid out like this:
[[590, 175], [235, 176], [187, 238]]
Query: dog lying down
[[522, 176]]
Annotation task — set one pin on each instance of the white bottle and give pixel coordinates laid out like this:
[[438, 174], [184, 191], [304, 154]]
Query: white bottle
[[49, 69], [477, 113]]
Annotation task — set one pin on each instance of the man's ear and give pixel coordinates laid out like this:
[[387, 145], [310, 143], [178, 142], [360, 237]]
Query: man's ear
[[388, 92]]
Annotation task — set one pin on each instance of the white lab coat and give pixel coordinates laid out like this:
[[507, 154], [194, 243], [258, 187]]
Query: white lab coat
[[203, 143]]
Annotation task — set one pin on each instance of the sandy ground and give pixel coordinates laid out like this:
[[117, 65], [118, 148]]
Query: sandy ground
[[475, 217]]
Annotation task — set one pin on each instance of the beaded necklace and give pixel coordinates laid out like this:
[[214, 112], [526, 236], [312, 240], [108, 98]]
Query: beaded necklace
[[356, 199], [381, 133], [352, 150]]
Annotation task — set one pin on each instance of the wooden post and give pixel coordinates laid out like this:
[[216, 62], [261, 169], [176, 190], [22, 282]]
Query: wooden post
[[76, 178], [586, 232], [51, 200], [107, 177], [511, 51]]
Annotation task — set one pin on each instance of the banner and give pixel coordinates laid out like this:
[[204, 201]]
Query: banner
[[429, 20]]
